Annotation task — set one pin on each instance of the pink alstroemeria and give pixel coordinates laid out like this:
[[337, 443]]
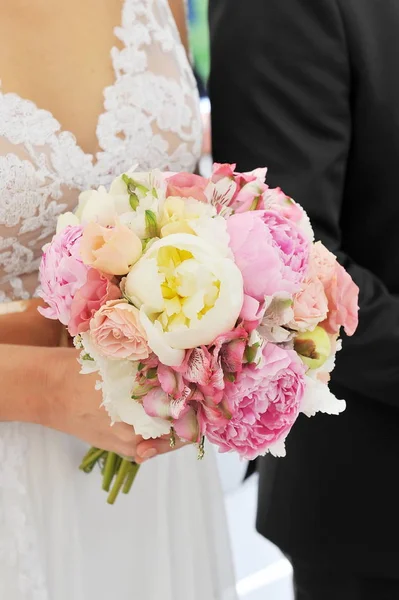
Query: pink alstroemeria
[[228, 350], [207, 367], [238, 191], [187, 427], [158, 403], [251, 313], [252, 187]]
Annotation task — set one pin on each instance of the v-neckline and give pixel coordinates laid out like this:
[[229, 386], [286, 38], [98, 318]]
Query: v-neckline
[[93, 157]]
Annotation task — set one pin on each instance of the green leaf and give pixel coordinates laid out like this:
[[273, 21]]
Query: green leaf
[[134, 201], [230, 377], [140, 366], [255, 203], [151, 224], [250, 353], [133, 186], [151, 373]]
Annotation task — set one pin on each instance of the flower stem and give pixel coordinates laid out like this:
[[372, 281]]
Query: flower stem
[[109, 470], [120, 478], [118, 463], [92, 456], [127, 486]]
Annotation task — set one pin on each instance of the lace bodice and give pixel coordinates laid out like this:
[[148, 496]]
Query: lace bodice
[[151, 118]]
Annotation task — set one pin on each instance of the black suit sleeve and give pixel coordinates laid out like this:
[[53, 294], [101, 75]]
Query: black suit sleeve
[[280, 88]]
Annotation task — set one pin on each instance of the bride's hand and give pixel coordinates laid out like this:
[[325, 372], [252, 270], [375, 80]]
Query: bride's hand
[[150, 448], [73, 406]]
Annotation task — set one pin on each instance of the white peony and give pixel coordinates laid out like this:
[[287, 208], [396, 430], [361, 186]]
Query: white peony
[[319, 398], [188, 293], [117, 380]]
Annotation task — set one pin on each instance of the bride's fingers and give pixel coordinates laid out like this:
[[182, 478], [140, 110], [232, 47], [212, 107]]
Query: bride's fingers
[[150, 448]]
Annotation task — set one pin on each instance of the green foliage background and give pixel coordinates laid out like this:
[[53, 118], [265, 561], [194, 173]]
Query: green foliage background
[[199, 37]]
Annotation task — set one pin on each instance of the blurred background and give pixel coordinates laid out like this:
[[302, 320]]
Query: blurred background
[[261, 570]]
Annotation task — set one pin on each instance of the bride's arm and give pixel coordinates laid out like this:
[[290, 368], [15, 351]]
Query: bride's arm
[[178, 8], [44, 386], [25, 382], [21, 323]]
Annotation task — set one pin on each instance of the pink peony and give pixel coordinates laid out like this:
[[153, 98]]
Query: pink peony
[[270, 251], [264, 403], [275, 199], [341, 291], [97, 290], [187, 185], [62, 273], [117, 333]]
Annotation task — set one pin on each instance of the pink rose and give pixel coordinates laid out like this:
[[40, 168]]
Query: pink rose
[[97, 290], [310, 303], [187, 185], [270, 251], [62, 273], [111, 250], [264, 404], [117, 333], [341, 291]]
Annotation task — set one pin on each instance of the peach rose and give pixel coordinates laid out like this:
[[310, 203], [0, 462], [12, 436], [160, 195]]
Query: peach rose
[[117, 333], [341, 292], [310, 303], [111, 250], [187, 185]]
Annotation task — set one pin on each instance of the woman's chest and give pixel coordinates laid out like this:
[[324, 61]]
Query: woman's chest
[[58, 55]]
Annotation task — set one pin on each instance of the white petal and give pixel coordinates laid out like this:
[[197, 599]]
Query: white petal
[[65, 220], [132, 412], [214, 231], [135, 220], [319, 398], [143, 285], [96, 206], [170, 357], [278, 449]]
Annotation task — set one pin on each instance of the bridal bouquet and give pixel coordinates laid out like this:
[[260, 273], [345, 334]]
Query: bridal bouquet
[[205, 307]]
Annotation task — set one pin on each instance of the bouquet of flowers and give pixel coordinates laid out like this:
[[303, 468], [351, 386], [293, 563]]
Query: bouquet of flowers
[[205, 307]]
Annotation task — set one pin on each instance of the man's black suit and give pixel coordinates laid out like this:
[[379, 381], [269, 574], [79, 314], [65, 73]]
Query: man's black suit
[[310, 88]]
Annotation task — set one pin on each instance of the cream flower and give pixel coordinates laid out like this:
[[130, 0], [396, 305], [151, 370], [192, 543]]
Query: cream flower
[[188, 294]]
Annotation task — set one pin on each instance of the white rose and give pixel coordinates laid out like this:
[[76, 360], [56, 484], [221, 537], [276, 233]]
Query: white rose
[[188, 293], [66, 220], [117, 380], [96, 206]]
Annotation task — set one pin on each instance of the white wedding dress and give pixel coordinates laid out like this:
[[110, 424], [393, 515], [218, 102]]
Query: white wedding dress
[[59, 540]]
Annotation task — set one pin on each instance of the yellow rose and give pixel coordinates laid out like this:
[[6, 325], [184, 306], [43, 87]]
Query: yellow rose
[[179, 215]]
